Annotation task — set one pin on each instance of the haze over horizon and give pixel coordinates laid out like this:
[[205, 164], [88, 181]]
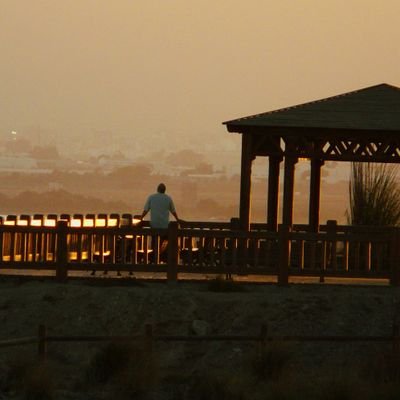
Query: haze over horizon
[[168, 73]]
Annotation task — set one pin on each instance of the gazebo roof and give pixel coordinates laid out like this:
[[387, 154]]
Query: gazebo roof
[[375, 109]]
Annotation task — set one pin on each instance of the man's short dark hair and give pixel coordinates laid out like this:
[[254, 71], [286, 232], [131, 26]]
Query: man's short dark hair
[[161, 188]]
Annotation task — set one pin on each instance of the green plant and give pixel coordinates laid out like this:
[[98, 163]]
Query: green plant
[[374, 195]]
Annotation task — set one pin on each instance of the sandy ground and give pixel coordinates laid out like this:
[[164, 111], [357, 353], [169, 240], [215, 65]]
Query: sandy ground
[[107, 306]]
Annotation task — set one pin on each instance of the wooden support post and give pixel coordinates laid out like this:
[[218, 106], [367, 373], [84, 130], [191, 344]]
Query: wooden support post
[[394, 257], [173, 250], [62, 252], [315, 189], [273, 192], [288, 190], [284, 255], [42, 344], [245, 182]]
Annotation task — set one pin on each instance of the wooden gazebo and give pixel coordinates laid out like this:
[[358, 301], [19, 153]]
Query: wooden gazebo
[[362, 125]]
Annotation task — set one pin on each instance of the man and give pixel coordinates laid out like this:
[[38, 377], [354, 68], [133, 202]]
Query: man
[[160, 205]]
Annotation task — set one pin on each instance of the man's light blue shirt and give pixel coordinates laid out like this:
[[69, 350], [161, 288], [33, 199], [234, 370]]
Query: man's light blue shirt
[[159, 205]]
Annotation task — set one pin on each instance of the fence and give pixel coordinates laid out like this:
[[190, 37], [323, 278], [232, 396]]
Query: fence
[[120, 243], [43, 339]]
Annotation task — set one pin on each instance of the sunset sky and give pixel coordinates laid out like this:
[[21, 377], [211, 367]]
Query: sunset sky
[[142, 67]]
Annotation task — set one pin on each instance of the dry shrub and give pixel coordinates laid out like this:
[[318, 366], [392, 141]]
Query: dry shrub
[[339, 388], [271, 362], [217, 385], [382, 367], [30, 379], [221, 284], [125, 365], [39, 384]]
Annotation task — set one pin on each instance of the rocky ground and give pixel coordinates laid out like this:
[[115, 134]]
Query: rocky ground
[[124, 307]]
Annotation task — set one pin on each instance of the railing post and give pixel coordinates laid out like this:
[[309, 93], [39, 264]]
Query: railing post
[[42, 344], [331, 228], [284, 254], [235, 224], [173, 250], [62, 252], [242, 250], [394, 257], [1, 246]]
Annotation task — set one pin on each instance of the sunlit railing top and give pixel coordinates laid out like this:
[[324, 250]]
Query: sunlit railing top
[[73, 220]]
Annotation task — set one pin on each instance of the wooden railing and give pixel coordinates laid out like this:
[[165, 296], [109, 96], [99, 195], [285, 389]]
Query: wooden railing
[[119, 243]]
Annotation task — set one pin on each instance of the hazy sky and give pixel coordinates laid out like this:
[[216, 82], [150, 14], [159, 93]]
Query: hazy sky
[[182, 67]]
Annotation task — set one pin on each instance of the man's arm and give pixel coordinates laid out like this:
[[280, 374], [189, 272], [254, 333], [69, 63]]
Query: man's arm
[[144, 213], [146, 208], [173, 210], [175, 215]]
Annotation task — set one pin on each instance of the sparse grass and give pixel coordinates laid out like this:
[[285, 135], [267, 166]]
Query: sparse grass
[[49, 298], [32, 380], [383, 367], [262, 376], [221, 284], [111, 282], [218, 385], [344, 385], [39, 383], [271, 362]]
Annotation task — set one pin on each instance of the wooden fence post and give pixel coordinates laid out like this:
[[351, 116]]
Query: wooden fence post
[[62, 252], [394, 257], [263, 338], [284, 255], [148, 332], [173, 250], [42, 344], [396, 339]]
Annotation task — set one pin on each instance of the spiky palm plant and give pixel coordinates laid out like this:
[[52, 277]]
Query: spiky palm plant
[[374, 195]]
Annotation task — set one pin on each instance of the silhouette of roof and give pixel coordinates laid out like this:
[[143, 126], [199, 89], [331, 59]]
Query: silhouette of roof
[[375, 108]]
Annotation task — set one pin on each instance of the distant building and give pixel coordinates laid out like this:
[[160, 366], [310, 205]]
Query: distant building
[[17, 163]]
